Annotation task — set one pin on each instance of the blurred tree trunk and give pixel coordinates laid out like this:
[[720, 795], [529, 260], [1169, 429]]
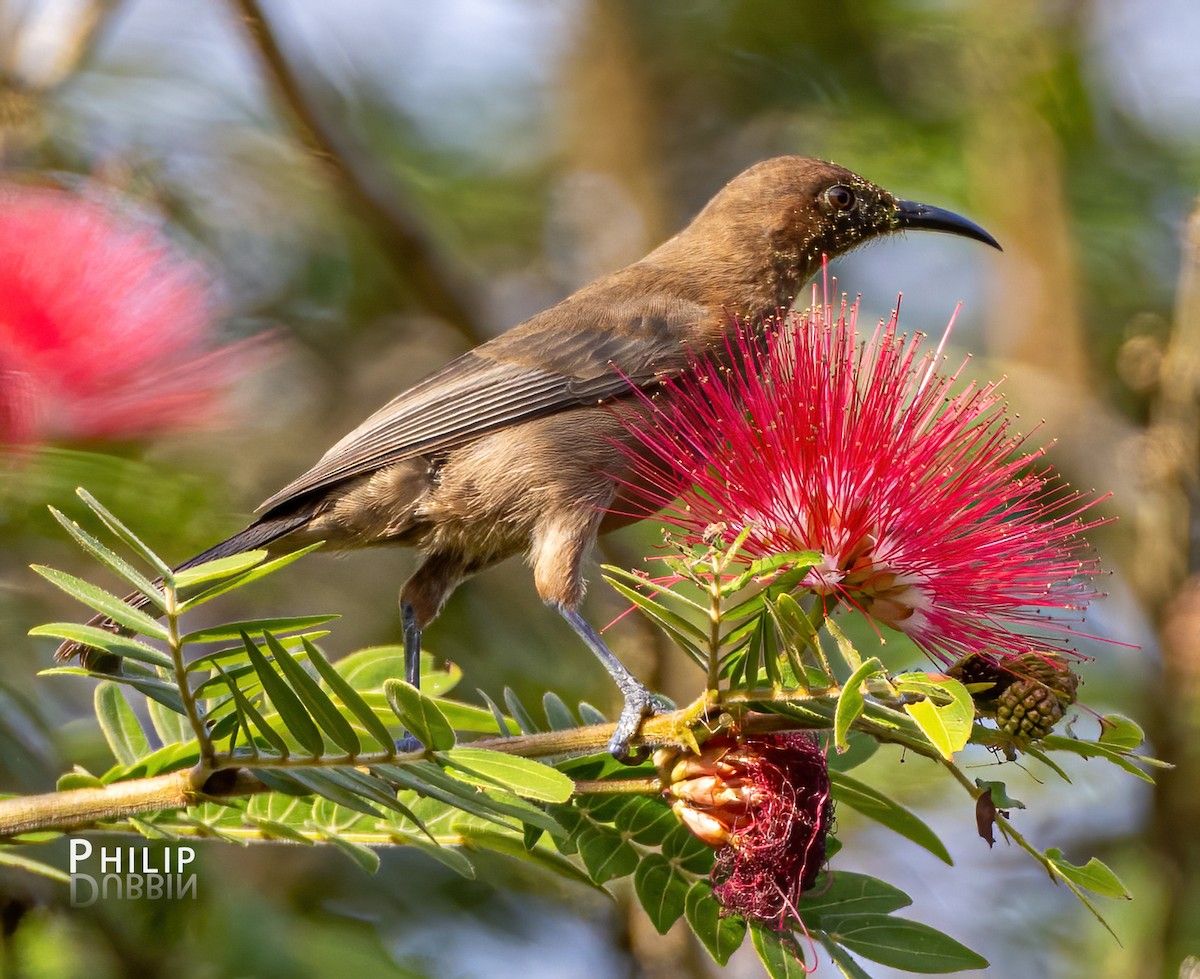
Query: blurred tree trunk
[[611, 197], [1015, 165], [1167, 575]]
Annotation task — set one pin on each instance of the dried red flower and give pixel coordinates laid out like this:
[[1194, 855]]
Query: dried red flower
[[763, 803], [105, 331], [928, 513]]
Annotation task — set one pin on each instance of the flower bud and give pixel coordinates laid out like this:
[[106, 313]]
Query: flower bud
[[763, 803]]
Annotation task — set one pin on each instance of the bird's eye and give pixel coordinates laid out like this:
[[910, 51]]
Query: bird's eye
[[839, 197]]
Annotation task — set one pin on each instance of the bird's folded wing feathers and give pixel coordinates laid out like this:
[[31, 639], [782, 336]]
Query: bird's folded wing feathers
[[524, 374]]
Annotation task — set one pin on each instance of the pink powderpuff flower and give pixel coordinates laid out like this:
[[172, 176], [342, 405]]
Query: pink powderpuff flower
[[764, 804], [104, 330], [927, 514]]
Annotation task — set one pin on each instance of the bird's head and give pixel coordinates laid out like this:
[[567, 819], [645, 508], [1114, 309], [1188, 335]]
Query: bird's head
[[791, 210]]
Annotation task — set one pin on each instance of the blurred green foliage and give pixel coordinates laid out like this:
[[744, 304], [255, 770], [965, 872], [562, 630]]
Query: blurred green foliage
[[538, 145]]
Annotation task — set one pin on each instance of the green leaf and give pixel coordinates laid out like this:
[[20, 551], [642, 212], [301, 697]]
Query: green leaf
[[349, 696], [860, 747], [684, 849], [1094, 749], [639, 582], [124, 533], [77, 780], [840, 957], [519, 714], [170, 758], [746, 670], [605, 853], [451, 857], [875, 805], [279, 781], [558, 714], [850, 702], [104, 602], [1035, 752], [682, 632], [590, 715], [793, 622], [1000, 797], [503, 726], [1094, 875], [103, 639], [844, 645], [120, 726], [274, 830], [368, 669], [285, 702], [112, 560], [277, 627], [764, 566], [522, 776], [721, 936], [322, 709], [373, 789], [850, 893], [1121, 732], [534, 817], [364, 856], [248, 714], [493, 805], [222, 567], [947, 725], [152, 831], [170, 727], [10, 859], [513, 846], [902, 944], [261, 571], [325, 783], [661, 891], [779, 953], [165, 693], [648, 821], [420, 715]]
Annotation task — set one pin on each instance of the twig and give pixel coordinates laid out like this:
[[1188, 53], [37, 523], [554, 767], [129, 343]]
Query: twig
[[82, 807], [79, 808], [81, 43], [444, 289]]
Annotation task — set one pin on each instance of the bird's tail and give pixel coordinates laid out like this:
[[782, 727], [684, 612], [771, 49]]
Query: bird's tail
[[256, 535]]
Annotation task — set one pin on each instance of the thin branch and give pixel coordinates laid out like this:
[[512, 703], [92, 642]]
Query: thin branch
[[85, 36], [440, 286], [76, 808], [79, 808], [191, 710]]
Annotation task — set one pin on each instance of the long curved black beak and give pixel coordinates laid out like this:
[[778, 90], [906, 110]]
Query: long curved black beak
[[926, 217]]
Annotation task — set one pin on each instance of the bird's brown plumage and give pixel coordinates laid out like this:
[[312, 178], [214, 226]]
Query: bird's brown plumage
[[514, 448]]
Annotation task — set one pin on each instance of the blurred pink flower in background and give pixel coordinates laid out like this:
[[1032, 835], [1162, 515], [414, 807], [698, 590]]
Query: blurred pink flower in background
[[927, 512], [106, 332]]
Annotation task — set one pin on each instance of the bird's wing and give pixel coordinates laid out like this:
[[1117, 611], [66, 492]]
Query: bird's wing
[[547, 365]]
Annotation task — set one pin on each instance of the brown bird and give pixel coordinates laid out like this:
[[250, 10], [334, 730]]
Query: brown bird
[[512, 449]]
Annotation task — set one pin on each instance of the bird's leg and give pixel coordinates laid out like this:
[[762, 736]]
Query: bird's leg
[[412, 644], [412, 664], [421, 599], [639, 701]]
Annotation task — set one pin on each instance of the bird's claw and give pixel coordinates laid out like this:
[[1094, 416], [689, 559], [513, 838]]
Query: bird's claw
[[639, 704], [408, 744]]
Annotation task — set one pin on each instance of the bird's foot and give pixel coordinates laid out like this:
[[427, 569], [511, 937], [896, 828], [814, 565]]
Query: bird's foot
[[408, 744], [640, 703]]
